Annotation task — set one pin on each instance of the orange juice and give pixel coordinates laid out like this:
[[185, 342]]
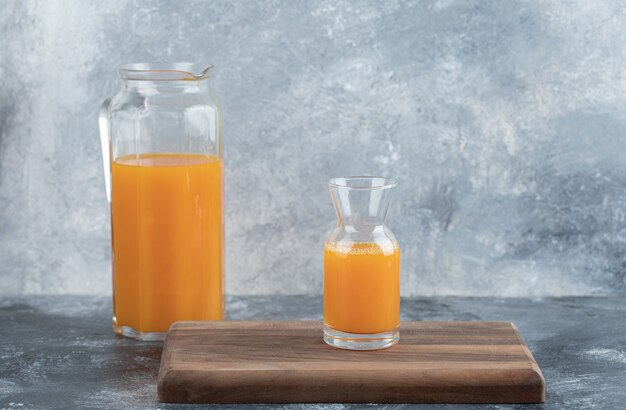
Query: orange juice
[[362, 287], [167, 230]]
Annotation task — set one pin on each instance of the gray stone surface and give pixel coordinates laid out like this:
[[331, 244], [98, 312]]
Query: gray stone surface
[[503, 121], [60, 351]]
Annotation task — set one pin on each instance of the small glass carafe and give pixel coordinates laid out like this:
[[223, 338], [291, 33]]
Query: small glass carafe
[[361, 267]]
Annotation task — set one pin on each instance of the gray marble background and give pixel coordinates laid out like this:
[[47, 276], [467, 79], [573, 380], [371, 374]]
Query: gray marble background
[[505, 123]]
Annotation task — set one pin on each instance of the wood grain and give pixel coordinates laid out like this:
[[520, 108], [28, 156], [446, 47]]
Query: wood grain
[[287, 362]]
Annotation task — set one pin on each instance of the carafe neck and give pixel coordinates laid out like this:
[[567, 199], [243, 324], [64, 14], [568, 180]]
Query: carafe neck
[[361, 203]]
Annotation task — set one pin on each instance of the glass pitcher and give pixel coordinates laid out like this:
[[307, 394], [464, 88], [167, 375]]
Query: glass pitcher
[[361, 267], [162, 151]]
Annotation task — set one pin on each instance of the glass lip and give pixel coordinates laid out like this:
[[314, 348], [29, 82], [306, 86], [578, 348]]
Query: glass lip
[[181, 71], [362, 183]]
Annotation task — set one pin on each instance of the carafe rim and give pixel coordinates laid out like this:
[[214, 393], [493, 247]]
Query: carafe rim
[[362, 183]]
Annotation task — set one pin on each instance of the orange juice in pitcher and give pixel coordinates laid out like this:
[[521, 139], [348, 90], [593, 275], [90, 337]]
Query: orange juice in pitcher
[[161, 141]]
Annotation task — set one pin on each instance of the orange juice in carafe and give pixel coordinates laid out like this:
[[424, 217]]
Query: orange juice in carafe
[[166, 212], [361, 267], [362, 287]]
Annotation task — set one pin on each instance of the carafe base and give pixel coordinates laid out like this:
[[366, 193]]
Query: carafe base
[[360, 341], [128, 331]]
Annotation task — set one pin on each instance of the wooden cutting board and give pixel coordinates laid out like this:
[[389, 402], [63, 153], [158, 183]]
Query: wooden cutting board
[[287, 362]]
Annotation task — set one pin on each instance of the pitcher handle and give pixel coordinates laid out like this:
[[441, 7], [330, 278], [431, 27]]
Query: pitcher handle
[[105, 142]]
